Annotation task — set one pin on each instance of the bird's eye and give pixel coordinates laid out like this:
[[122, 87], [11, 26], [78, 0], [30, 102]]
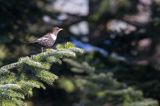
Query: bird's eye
[[56, 28]]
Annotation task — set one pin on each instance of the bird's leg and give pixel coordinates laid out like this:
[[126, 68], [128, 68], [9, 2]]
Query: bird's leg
[[42, 49]]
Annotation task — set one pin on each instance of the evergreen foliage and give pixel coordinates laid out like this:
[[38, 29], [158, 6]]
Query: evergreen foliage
[[93, 87], [18, 79], [129, 57]]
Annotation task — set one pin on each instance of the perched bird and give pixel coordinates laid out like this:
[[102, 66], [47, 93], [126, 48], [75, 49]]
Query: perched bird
[[48, 40]]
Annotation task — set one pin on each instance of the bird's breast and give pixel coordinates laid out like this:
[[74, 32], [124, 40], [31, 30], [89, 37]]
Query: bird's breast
[[53, 36]]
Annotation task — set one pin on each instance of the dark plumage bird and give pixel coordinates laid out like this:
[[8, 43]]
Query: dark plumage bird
[[48, 40]]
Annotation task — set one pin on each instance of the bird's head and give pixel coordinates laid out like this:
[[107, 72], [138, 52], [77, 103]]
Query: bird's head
[[56, 30]]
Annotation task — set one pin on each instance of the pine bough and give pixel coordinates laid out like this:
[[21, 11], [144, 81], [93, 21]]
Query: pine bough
[[18, 79]]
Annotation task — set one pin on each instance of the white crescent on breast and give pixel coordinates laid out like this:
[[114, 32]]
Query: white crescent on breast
[[54, 37], [41, 39]]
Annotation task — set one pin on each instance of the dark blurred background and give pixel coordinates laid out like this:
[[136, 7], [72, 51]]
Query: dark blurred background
[[121, 42]]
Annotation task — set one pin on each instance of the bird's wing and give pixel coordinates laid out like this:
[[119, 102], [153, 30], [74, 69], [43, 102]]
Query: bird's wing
[[47, 36]]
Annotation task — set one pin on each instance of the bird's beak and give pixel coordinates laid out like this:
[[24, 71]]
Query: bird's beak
[[60, 29]]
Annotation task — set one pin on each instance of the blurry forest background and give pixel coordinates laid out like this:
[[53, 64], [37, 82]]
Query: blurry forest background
[[121, 64]]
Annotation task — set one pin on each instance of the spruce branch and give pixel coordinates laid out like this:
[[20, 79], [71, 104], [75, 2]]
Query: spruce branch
[[9, 67], [9, 86], [18, 79], [95, 87]]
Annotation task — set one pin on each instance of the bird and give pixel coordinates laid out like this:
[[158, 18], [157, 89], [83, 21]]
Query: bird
[[48, 40]]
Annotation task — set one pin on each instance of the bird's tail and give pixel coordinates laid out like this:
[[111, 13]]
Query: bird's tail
[[31, 42]]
